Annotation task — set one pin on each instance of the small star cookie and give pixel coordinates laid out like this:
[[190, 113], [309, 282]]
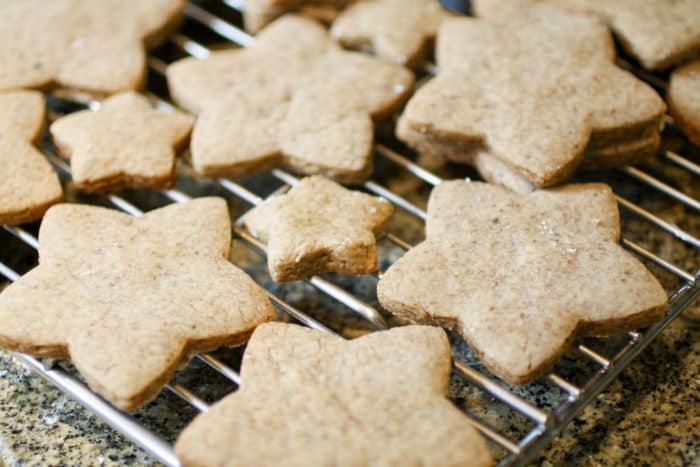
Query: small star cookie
[[319, 226], [658, 33], [684, 99], [28, 184], [258, 13], [520, 276], [309, 398], [125, 144], [540, 92], [304, 103], [397, 30], [94, 46], [128, 299]]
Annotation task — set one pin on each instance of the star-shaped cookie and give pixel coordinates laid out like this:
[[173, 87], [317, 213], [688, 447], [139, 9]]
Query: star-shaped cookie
[[539, 92], [520, 276], [304, 103], [128, 299], [319, 226], [28, 184], [683, 99], [125, 144], [309, 398], [81, 44], [397, 30], [658, 33], [258, 13]]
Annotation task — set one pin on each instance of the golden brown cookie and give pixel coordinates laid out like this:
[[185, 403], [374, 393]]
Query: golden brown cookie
[[310, 398], [683, 99], [126, 143], [28, 184], [397, 30], [319, 226], [304, 103], [128, 299], [95, 46], [658, 33], [521, 276], [258, 13], [534, 92]]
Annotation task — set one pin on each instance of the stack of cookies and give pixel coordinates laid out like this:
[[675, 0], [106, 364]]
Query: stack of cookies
[[658, 35], [527, 92], [531, 98]]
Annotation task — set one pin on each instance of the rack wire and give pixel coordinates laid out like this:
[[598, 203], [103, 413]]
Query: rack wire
[[544, 422]]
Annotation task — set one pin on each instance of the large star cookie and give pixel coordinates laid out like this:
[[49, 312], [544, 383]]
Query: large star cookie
[[397, 30], [684, 99], [309, 398], [129, 299], [304, 103], [96, 46], [125, 144], [520, 276], [659, 33], [258, 13], [539, 92], [28, 184], [319, 226]]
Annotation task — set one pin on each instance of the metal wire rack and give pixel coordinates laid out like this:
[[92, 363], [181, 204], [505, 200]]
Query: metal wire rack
[[544, 421]]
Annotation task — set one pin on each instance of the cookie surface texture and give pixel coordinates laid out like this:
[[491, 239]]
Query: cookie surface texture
[[658, 33], [535, 92], [319, 226], [304, 103], [683, 99], [397, 30], [125, 144], [28, 184], [93, 46], [128, 299], [305, 399], [258, 13], [520, 276]]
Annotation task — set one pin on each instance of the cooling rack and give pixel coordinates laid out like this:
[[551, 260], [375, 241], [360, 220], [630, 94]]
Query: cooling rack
[[216, 21]]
